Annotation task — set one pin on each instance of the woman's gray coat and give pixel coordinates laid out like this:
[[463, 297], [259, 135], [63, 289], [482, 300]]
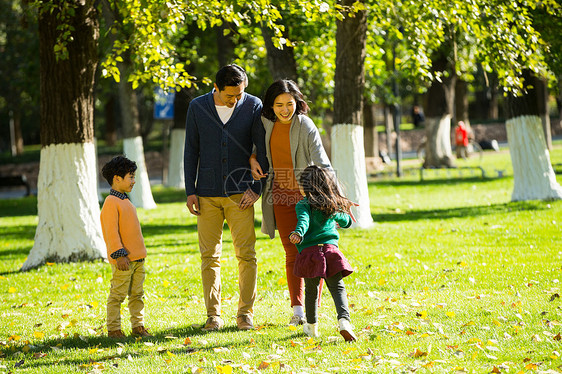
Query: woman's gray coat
[[306, 150]]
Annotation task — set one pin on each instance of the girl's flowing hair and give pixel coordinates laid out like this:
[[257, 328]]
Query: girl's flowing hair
[[322, 191]]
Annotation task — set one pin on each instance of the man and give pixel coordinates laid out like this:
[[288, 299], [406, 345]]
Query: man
[[222, 128]]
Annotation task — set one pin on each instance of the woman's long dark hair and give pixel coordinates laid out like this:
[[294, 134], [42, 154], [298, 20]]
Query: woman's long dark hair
[[322, 191], [280, 87]]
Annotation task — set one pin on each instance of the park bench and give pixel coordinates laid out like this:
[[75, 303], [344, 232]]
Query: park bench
[[10, 181], [458, 170]]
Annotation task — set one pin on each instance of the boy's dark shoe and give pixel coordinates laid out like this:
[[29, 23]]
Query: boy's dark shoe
[[140, 331], [117, 334], [244, 322], [213, 323]]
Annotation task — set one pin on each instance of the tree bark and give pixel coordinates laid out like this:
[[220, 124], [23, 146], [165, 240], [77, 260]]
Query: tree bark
[[439, 111], [533, 176], [225, 44], [15, 133], [348, 156], [177, 139], [281, 62], [110, 122], [370, 132], [461, 103], [141, 195], [68, 226]]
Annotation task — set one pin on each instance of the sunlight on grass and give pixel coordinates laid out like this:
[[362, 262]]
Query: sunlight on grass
[[452, 278]]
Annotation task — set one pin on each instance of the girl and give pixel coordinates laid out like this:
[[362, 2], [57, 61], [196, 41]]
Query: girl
[[316, 239], [292, 143]]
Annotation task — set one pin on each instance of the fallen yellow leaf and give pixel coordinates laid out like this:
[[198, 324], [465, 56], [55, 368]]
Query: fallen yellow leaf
[[263, 365], [38, 335], [11, 289]]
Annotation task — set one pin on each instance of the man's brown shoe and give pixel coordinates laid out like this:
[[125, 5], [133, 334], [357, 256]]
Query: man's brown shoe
[[116, 334], [213, 323], [244, 322], [140, 331]]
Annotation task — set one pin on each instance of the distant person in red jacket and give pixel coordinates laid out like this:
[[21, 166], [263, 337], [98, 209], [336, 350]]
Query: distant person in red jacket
[[461, 140]]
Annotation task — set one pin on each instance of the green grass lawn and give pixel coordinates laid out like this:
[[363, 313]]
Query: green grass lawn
[[453, 277]]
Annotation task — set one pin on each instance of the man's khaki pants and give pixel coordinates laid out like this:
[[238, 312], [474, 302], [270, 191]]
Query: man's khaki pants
[[214, 210], [126, 283]]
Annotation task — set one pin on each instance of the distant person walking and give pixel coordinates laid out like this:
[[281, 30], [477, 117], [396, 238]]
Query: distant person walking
[[222, 127], [461, 140], [418, 117]]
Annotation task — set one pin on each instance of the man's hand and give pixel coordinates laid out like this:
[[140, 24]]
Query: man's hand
[[248, 199], [193, 205], [257, 172], [123, 263]]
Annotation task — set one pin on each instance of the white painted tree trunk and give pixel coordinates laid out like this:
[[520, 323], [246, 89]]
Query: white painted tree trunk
[[69, 227], [141, 195], [100, 197], [348, 160], [175, 168], [438, 151], [533, 176]]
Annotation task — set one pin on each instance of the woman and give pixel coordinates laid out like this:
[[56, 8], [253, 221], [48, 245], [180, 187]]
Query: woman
[[292, 143]]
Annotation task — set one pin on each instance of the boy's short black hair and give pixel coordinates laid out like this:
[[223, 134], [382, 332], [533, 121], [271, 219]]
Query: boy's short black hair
[[119, 165]]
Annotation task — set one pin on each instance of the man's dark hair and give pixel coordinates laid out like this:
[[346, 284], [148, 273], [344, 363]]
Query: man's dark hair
[[230, 75], [119, 165], [280, 87]]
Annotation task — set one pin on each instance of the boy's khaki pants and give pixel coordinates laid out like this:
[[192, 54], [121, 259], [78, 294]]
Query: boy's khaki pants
[[214, 210], [126, 283]]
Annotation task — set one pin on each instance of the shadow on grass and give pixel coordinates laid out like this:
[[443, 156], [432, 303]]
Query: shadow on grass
[[460, 212], [25, 206], [129, 344]]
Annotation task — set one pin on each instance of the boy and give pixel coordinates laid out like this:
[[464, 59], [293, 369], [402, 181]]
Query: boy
[[125, 248]]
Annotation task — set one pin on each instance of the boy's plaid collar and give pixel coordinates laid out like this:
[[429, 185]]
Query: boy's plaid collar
[[120, 195]]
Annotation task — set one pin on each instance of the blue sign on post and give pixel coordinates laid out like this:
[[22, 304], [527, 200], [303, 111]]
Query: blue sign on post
[[163, 104]]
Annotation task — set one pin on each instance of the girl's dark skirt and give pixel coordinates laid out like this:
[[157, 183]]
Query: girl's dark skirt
[[322, 261]]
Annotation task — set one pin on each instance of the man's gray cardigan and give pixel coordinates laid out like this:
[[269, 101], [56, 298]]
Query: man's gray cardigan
[[306, 150]]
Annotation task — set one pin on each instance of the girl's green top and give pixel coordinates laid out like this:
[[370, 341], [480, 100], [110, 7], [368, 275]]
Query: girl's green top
[[315, 228]]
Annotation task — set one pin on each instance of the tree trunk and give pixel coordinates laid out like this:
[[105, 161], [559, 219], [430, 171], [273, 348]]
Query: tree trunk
[[370, 131], [389, 128], [281, 62], [15, 133], [110, 122], [439, 110], [141, 195], [68, 226], [177, 139], [225, 44], [461, 103], [542, 103], [533, 176], [348, 157]]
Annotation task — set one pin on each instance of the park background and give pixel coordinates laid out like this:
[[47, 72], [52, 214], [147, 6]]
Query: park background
[[457, 260]]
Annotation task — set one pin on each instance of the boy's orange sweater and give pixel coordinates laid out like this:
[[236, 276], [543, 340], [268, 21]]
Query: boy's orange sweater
[[121, 228]]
